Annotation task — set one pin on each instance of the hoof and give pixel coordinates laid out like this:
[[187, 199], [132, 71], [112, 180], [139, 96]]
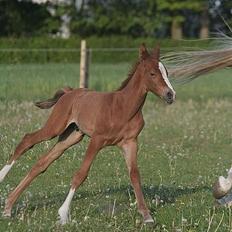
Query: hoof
[[62, 221], [63, 217], [1, 178], [6, 213], [148, 219]]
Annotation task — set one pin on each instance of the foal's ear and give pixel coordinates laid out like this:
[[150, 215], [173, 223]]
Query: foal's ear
[[143, 53], [156, 52]]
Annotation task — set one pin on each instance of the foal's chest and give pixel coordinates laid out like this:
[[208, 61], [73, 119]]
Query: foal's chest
[[116, 132]]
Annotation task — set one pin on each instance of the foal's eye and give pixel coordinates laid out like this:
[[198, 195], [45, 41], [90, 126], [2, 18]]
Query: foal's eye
[[152, 74]]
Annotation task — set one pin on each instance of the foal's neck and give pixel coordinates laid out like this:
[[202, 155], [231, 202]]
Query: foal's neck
[[134, 95]]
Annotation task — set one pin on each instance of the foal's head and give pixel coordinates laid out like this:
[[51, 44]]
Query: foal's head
[[155, 75]]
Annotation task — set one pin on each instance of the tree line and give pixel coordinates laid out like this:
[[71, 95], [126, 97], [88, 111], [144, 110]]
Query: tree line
[[136, 18]]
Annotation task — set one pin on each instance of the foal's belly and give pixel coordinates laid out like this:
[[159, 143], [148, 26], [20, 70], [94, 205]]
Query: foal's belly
[[94, 125], [86, 112]]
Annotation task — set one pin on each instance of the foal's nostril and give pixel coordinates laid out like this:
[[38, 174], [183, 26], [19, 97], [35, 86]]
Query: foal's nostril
[[169, 95]]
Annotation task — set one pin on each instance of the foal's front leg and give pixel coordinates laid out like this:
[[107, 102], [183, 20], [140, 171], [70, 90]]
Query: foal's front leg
[[79, 177], [130, 152]]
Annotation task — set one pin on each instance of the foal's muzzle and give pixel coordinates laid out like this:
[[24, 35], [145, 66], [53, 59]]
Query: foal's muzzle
[[169, 96]]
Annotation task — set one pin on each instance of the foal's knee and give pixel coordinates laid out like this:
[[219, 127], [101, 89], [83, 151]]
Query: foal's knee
[[134, 173], [39, 167]]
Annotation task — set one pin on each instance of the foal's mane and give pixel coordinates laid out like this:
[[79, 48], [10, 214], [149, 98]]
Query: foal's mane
[[130, 75]]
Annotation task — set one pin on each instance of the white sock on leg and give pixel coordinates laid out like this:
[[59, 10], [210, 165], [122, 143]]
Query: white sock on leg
[[5, 170], [64, 209]]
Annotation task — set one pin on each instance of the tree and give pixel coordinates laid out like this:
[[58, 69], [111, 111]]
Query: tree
[[136, 18], [221, 12], [204, 31], [21, 18], [175, 13], [124, 17], [60, 15]]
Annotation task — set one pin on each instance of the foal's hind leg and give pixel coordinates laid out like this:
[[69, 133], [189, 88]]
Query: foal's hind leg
[[67, 139], [28, 141], [50, 130]]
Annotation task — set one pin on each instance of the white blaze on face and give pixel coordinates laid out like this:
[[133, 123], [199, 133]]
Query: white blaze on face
[[165, 77]]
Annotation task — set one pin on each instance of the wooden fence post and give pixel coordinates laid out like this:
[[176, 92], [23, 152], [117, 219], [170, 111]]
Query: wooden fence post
[[84, 65]]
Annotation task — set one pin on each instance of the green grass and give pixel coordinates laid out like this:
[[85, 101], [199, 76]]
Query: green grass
[[183, 149]]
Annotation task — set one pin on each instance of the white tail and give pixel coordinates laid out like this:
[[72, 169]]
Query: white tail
[[185, 66]]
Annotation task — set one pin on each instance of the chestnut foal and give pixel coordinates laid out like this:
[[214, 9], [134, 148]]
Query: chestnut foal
[[113, 118]]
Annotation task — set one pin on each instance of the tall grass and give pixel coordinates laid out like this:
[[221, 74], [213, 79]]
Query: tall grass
[[33, 50], [35, 81]]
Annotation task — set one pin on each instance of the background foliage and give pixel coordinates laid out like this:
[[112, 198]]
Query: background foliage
[[58, 50], [136, 18]]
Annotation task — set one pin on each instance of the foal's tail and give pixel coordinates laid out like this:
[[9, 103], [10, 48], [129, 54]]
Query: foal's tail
[[52, 101]]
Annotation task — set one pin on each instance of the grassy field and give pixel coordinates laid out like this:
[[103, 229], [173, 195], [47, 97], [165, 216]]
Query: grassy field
[[183, 148]]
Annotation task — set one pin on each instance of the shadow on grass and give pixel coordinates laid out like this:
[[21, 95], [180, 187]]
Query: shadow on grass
[[168, 195]]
